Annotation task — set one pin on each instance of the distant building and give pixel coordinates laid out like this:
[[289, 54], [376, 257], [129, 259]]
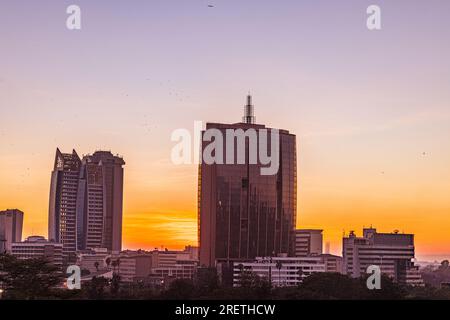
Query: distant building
[[392, 252], [11, 224], [93, 260], [156, 265], [244, 214], [134, 267], [332, 263], [308, 242], [175, 264], [280, 271], [36, 247]]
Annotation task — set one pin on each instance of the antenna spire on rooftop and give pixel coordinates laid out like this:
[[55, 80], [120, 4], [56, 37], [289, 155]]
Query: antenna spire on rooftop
[[249, 116]]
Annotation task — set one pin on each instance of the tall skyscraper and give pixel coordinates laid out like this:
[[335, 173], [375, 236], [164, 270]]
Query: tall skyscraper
[[242, 212], [62, 220], [86, 202], [100, 201], [11, 224], [37, 247]]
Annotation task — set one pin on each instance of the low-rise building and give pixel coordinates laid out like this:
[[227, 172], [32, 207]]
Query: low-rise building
[[165, 264], [332, 263], [133, 267], [308, 242], [38, 246], [393, 253], [279, 271], [93, 260], [11, 224]]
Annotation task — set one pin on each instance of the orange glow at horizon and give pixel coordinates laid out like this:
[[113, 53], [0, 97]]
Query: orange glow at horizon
[[160, 209]]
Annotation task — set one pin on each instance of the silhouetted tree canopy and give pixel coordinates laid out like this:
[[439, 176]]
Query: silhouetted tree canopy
[[28, 279]]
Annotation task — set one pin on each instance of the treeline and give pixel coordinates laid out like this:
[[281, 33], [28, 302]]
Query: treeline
[[38, 279]]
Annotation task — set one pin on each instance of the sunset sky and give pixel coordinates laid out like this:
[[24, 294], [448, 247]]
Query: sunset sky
[[371, 109]]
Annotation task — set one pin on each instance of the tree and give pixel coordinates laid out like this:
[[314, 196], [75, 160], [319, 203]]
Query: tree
[[28, 279], [114, 265], [118, 265], [96, 288], [330, 286], [115, 284], [108, 262], [180, 289]]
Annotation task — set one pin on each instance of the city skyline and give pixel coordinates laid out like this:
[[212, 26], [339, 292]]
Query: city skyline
[[370, 110]]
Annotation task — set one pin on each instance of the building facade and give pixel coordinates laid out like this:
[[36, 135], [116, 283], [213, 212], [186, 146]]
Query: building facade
[[62, 220], [392, 252], [93, 260], [279, 271], [164, 265], [100, 201], [334, 264], [37, 247], [243, 213], [308, 242], [175, 264], [134, 267], [11, 225]]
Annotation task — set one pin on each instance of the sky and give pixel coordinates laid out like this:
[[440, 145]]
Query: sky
[[371, 109]]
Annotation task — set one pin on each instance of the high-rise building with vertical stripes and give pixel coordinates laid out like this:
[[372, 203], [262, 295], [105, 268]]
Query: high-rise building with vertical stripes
[[101, 201], [86, 202], [242, 212]]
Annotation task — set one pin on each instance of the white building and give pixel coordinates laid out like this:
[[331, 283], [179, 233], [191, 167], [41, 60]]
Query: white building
[[308, 242], [93, 260], [164, 264], [175, 264], [392, 252], [134, 267], [36, 247], [280, 271]]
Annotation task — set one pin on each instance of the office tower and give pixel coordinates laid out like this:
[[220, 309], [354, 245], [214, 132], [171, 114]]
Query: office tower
[[392, 252], [243, 212], [100, 201], [86, 202], [11, 223], [37, 247], [308, 242], [62, 221]]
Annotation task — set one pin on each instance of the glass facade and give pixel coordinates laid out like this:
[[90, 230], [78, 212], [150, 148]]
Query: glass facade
[[242, 213]]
